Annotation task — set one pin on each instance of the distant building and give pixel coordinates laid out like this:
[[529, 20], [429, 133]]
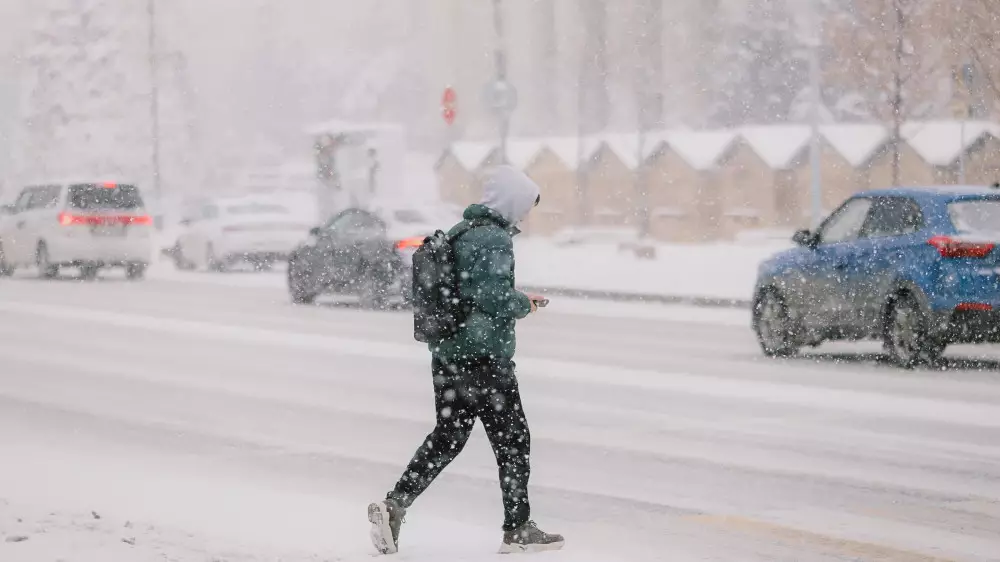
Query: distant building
[[714, 184]]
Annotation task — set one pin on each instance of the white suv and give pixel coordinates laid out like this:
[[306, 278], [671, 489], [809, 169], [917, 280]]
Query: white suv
[[224, 231], [85, 225]]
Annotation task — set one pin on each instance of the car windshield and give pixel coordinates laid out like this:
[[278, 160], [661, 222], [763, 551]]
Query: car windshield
[[409, 216], [257, 209], [93, 196], [976, 215], [356, 225]]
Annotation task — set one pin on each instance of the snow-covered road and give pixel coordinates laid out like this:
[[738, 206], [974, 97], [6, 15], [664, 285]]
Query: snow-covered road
[[222, 423]]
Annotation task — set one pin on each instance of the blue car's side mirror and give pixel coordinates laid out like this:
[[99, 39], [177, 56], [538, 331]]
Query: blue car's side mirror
[[804, 238]]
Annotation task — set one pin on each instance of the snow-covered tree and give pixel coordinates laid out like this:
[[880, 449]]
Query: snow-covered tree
[[181, 158], [86, 91], [758, 66]]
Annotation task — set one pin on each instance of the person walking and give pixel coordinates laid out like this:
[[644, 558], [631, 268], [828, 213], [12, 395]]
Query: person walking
[[473, 370]]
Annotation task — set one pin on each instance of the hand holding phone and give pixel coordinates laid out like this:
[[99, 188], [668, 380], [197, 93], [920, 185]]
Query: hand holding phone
[[538, 301]]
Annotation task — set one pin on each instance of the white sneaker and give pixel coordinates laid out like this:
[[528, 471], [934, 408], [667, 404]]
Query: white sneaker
[[386, 518]]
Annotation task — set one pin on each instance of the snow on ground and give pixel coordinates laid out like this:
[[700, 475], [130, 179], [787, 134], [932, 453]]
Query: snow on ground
[[102, 506], [31, 533], [224, 423], [596, 308], [722, 271], [649, 311]]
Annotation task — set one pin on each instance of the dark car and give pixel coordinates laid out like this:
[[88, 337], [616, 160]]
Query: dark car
[[916, 268], [359, 252]]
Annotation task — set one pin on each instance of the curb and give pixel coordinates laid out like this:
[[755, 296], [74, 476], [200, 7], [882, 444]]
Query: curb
[[708, 302]]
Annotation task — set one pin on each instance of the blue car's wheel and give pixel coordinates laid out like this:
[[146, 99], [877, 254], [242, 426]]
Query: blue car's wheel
[[905, 336], [774, 326]]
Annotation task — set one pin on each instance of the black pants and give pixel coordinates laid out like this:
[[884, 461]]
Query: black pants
[[484, 389]]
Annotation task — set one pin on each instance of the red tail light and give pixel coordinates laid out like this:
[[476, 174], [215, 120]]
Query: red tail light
[[976, 306], [410, 243], [67, 219], [950, 247]]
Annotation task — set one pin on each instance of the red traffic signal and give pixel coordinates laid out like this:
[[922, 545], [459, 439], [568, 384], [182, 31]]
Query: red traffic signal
[[448, 100], [449, 97]]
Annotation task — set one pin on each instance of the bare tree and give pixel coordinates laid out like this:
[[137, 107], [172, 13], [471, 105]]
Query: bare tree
[[974, 38], [891, 56], [548, 67], [592, 102], [595, 105]]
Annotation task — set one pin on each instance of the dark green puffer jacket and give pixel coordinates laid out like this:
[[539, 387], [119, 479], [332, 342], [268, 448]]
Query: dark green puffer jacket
[[485, 260]]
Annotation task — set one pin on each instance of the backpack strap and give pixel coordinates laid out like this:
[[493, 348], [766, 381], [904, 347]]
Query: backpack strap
[[466, 226]]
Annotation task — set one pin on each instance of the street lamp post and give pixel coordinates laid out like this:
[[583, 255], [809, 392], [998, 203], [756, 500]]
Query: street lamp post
[[815, 86], [966, 111], [961, 146], [154, 97]]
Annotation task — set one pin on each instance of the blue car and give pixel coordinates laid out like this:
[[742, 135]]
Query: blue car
[[916, 268]]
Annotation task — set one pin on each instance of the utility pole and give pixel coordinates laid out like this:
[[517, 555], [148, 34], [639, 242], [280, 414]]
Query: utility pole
[[154, 97], [501, 95], [647, 73], [581, 134], [815, 86]]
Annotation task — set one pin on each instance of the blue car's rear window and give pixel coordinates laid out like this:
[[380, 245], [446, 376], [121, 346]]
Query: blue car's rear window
[[975, 215]]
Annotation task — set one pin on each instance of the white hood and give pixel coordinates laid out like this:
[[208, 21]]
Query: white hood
[[510, 192]]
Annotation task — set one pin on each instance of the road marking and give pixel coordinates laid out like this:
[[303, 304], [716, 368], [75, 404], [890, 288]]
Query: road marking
[[861, 549]]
